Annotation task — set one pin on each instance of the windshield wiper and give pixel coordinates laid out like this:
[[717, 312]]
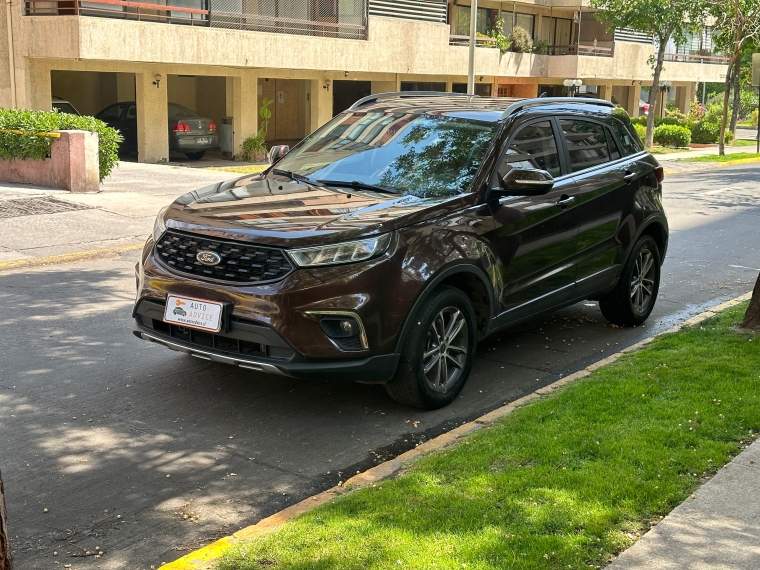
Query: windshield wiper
[[358, 186], [295, 176]]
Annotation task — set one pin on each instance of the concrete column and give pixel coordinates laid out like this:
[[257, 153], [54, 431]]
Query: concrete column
[[605, 92], [152, 117], [386, 86], [243, 107], [632, 104], [33, 85], [685, 94], [321, 102]]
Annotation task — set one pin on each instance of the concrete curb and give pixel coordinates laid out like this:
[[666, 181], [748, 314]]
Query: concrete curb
[[203, 557], [66, 257]]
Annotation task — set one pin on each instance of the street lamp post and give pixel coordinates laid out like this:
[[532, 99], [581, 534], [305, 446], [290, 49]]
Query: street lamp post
[[664, 88], [471, 65], [572, 86]]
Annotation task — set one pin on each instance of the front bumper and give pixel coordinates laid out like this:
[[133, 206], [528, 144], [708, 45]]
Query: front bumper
[[375, 369]]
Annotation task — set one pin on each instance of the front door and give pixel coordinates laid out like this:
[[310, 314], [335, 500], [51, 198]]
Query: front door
[[534, 238]]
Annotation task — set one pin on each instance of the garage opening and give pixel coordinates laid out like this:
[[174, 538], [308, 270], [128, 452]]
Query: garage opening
[[89, 92], [197, 108], [346, 93]]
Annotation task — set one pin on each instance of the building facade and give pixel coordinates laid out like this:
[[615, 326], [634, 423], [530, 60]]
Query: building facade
[[312, 58]]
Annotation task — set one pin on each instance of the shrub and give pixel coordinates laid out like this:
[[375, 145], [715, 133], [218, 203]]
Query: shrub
[[641, 131], [747, 104], [753, 117], [705, 132], [520, 40], [254, 148], [541, 47], [31, 146], [677, 115], [672, 135]]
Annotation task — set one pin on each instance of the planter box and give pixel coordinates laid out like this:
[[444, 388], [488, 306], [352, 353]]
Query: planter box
[[73, 165]]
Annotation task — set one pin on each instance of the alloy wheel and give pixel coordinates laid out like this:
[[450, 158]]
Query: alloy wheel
[[642, 281], [445, 353]]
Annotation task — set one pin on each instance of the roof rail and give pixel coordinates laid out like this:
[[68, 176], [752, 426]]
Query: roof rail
[[405, 95], [514, 107]]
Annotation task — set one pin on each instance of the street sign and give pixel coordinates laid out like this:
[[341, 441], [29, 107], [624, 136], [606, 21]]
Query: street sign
[[756, 70]]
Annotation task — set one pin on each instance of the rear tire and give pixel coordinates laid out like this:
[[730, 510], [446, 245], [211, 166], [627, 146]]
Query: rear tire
[[632, 300], [438, 351], [195, 155]]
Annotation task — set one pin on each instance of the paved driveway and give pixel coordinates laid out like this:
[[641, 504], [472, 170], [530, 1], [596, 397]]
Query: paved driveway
[[146, 453]]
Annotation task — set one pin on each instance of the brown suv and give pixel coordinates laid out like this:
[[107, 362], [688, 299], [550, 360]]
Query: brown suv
[[386, 244]]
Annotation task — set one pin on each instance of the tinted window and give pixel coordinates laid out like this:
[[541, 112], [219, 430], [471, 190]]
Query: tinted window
[[113, 112], [131, 113], [586, 143], [65, 107], [176, 110], [534, 146], [628, 138], [614, 150], [421, 155]]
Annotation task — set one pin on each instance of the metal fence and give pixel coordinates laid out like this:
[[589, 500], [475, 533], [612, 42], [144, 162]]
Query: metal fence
[[327, 18], [189, 12]]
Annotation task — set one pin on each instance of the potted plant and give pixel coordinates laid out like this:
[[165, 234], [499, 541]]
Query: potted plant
[[254, 148]]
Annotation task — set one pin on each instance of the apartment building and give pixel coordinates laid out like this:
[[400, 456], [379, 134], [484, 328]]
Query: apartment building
[[312, 58]]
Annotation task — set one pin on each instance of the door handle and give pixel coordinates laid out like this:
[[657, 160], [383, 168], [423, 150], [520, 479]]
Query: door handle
[[565, 201], [629, 176]]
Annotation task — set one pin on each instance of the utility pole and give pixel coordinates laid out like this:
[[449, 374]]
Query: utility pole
[[6, 562], [471, 67]]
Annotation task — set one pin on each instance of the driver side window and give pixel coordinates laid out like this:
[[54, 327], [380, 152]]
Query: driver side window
[[534, 146]]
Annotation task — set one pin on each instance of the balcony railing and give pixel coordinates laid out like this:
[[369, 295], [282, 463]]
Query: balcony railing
[[696, 58], [316, 18], [422, 10], [122, 9], [602, 49]]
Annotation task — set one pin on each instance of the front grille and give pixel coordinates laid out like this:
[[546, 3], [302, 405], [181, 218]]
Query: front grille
[[240, 262]]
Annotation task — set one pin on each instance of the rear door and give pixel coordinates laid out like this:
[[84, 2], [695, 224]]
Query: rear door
[[534, 239], [607, 184]]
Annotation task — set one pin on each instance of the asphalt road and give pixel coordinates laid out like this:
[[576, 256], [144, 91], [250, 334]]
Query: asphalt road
[[145, 453]]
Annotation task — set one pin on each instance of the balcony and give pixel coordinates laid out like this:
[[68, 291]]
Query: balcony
[[322, 18], [599, 49]]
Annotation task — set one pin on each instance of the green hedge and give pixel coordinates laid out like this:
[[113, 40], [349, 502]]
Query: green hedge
[[707, 132], [672, 135], [32, 146], [641, 131]]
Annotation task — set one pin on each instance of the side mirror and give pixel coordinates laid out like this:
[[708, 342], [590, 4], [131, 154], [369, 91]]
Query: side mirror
[[277, 152], [527, 182]]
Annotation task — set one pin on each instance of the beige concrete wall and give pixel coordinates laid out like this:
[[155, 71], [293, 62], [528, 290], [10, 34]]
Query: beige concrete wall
[[210, 98], [181, 89]]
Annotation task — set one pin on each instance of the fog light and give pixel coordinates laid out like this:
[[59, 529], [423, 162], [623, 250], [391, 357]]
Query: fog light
[[346, 327], [339, 327]]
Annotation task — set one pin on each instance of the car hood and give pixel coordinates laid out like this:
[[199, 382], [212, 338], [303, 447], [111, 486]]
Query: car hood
[[293, 214]]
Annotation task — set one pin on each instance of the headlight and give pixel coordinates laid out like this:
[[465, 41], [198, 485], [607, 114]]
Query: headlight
[[346, 252], [159, 226]]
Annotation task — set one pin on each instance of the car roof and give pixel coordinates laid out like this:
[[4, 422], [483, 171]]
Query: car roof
[[489, 109]]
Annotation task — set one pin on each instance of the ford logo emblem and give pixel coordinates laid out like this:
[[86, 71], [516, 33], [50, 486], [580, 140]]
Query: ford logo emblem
[[208, 257]]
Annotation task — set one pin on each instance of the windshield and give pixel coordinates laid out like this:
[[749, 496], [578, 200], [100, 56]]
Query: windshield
[[176, 110], [421, 155], [65, 107]]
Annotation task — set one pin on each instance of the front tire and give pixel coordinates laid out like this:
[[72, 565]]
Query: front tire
[[632, 300], [438, 352]]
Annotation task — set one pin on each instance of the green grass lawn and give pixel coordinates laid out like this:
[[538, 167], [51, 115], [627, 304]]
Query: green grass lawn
[[565, 482], [242, 169], [724, 158], [742, 142]]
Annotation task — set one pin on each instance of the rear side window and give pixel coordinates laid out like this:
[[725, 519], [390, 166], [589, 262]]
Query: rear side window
[[627, 137], [586, 143], [614, 150], [534, 146]]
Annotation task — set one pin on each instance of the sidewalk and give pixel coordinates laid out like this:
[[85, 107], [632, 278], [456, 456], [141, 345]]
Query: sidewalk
[[671, 156], [40, 222], [716, 529]]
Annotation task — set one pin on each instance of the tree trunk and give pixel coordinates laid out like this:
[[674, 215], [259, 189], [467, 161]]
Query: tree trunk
[[737, 95], [752, 316], [5, 546], [724, 118], [654, 91]]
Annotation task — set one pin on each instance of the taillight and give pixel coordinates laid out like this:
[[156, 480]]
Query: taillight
[[659, 173], [645, 108], [212, 126], [181, 128]]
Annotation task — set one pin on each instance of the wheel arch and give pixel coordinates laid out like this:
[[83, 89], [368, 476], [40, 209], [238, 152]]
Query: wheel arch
[[657, 228], [472, 281]]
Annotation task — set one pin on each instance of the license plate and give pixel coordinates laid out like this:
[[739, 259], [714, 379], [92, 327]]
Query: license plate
[[201, 140], [194, 313]]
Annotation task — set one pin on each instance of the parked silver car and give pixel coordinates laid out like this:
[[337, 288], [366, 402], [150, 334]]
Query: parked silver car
[[189, 133]]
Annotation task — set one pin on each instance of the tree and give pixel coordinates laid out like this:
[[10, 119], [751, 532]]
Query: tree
[[752, 316], [737, 24], [663, 20], [5, 545]]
